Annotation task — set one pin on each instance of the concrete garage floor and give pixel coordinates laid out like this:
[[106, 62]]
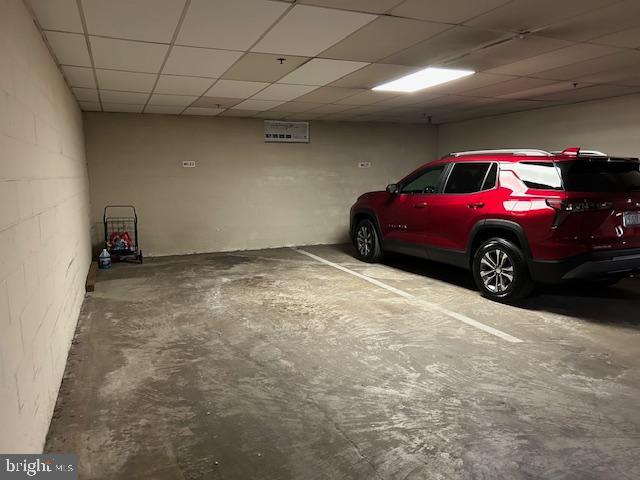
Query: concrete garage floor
[[269, 364]]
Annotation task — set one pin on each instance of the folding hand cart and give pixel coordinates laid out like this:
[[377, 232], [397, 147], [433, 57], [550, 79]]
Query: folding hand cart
[[121, 233]]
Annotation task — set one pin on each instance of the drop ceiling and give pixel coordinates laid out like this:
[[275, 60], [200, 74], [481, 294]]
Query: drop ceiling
[[319, 59]]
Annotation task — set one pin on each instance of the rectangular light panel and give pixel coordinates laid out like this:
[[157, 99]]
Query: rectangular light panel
[[426, 78]]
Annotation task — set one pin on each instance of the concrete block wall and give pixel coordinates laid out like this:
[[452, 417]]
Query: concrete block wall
[[243, 193], [609, 125], [44, 229]]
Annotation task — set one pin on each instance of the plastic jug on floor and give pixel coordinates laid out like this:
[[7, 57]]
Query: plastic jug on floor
[[104, 260]]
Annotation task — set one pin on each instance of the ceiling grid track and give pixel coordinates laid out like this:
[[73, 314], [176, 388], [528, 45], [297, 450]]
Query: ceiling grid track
[[185, 8], [86, 38]]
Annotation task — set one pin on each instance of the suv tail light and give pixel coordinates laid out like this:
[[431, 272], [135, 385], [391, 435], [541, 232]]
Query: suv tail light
[[564, 208]]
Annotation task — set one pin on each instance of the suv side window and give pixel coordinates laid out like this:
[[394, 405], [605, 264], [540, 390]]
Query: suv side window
[[541, 175], [468, 177], [426, 182], [491, 178]]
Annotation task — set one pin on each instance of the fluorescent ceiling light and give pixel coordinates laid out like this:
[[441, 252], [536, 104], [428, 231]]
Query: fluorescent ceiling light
[[426, 78]]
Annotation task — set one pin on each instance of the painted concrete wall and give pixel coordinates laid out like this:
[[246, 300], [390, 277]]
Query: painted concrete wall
[[611, 125], [243, 194], [44, 239]]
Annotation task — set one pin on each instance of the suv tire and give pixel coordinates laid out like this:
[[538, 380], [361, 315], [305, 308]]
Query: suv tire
[[367, 242], [500, 271]]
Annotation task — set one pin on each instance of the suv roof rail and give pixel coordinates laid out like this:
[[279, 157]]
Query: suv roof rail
[[514, 151]]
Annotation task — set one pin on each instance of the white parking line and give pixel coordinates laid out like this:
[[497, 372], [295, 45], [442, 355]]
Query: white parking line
[[434, 306]]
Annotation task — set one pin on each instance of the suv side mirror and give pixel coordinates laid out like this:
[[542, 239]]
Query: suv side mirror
[[392, 188]]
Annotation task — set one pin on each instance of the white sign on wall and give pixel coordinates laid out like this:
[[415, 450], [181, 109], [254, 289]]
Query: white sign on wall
[[286, 132]]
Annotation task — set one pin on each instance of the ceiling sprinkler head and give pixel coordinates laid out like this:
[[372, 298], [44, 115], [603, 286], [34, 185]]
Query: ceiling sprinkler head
[[281, 60]]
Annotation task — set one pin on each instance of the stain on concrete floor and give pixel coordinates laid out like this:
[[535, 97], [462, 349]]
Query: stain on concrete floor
[[269, 365]]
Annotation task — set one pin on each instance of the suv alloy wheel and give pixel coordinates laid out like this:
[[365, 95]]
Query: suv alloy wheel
[[500, 271], [367, 242]]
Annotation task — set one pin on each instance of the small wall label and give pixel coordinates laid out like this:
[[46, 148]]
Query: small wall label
[[189, 164], [364, 164]]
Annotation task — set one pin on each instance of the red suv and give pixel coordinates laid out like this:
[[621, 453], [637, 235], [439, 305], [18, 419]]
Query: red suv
[[513, 217]]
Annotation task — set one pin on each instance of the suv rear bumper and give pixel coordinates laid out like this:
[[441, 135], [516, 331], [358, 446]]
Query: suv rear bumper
[[594, 265]]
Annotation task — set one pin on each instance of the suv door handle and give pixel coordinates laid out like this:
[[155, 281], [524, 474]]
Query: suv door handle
[[475, 205], [420, 205]]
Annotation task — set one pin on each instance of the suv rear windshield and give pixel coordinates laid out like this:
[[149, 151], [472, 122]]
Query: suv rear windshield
[[600, 175], [582, 175]]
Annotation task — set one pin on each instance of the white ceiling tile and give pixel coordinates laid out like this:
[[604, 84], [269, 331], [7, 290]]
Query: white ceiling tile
[[629, 75], [199, 62], [367, 97], [383, 37], [257, 105], [629, 38], [449, 44], [148, 20], [127, 81], [179, 85], [320, 71], [217, 102], [127, 55], [209, 112], [535, 92], [337, 117], [444, 101], [295, 107], [528, 15], [164, 109], [122, 107], [448, 11], [131, 98], [596, 23], [307, 30], [409, 101], [586, 68], [589, 93], [369, 6], [174, 100], [555, 59], [330, 108], [476, 80], [57, 15], [90, 106], [263, 67], [235, 89], [508, 87], [507, 53], [329, 94], [270, 115], [366, 109], [228, 24], [280, 91], [69, 48], [85, 94], [238, 113], [79, 76]]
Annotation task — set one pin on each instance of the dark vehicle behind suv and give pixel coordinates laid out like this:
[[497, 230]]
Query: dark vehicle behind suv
[[513, 217]]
